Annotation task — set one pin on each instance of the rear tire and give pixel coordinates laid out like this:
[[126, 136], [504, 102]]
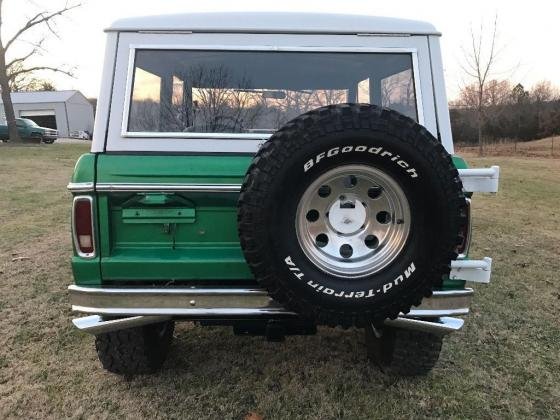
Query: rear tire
[[402, 352], [135, 351]]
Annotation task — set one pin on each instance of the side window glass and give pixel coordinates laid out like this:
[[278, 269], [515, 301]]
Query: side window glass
[[397, 92]]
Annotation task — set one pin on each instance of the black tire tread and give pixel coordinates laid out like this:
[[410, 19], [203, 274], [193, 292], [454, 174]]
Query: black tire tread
[[134, 351]]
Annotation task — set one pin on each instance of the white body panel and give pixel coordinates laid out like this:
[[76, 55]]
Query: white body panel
[[274, 22], [104, 98], [440, 95]]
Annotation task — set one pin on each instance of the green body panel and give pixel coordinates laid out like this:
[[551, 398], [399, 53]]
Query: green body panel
[[84, 170], [459, 162], [219, 169], [149, 237], [159, 237], [87, 272]]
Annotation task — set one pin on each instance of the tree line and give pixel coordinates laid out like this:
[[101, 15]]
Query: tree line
[[506, 111]]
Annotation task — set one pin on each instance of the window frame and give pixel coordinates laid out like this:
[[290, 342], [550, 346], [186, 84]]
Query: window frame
[[133, 48]]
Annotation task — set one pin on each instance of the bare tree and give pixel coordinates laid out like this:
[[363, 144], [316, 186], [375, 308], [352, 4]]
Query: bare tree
[[480, 60], [16, 68], [28, 82]]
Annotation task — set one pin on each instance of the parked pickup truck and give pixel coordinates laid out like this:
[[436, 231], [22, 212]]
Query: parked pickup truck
[[273, 172], [28, 129]]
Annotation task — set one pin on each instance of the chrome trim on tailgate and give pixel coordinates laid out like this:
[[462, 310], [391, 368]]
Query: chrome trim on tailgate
[[134, 187]]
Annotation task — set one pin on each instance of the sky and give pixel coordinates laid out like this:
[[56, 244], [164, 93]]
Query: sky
[[528, 32]]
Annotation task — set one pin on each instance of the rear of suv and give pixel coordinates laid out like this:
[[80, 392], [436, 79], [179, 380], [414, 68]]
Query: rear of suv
[[273, 172]]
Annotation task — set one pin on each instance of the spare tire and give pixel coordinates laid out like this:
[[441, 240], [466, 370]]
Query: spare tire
[[350, 214]]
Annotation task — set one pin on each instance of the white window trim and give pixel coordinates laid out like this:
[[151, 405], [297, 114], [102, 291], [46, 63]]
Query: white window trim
[[249, 136]]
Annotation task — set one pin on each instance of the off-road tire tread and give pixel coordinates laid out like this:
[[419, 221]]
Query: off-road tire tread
[[279, 149], [134, 351]]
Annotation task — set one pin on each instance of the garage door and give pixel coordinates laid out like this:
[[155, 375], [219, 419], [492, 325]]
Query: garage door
[[43, 117]]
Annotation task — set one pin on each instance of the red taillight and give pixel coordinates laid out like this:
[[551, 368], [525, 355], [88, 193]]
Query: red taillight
[[83, 226], [465, 233]]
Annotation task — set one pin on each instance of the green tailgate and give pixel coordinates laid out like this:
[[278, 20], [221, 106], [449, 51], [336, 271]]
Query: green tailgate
[[152, 236]]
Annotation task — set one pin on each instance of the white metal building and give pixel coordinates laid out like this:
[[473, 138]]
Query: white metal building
[[67, 111]]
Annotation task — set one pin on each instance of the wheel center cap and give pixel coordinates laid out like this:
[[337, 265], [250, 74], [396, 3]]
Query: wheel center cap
[[347, 215]]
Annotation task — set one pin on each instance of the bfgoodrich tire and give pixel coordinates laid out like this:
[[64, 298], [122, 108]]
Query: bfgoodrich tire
[[350, 214], [136, 350]]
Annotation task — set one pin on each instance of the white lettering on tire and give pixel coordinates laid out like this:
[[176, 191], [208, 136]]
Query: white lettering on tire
[[410, 171], [407, 273]]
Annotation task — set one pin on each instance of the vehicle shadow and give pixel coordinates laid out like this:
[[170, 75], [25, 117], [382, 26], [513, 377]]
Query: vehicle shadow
[[211, 373]]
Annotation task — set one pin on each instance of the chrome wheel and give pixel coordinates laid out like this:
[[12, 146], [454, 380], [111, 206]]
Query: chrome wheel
[[353, 221]]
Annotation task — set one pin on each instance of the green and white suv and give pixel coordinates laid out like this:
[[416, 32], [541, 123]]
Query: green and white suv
[[273, 172]]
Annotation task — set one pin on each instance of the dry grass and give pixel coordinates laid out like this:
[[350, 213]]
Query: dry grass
[[543, 148], [504, 364]]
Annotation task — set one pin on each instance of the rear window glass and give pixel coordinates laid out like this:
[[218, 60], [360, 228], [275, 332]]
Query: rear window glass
[[178, 91]]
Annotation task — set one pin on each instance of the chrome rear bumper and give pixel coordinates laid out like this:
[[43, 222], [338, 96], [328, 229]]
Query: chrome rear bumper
[[141, 306]]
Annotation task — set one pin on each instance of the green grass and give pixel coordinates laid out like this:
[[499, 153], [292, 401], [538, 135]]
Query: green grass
[[504, 364]]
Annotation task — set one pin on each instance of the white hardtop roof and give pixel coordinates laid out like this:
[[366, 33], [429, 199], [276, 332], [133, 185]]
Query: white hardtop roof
[[42, 97], [275, 22]]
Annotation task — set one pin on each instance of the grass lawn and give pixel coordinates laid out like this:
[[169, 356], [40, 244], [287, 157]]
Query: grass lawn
[[505, 363]]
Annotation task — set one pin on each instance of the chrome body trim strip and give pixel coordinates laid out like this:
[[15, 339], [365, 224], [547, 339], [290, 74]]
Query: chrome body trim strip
[[80, 187], [201, 188]]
